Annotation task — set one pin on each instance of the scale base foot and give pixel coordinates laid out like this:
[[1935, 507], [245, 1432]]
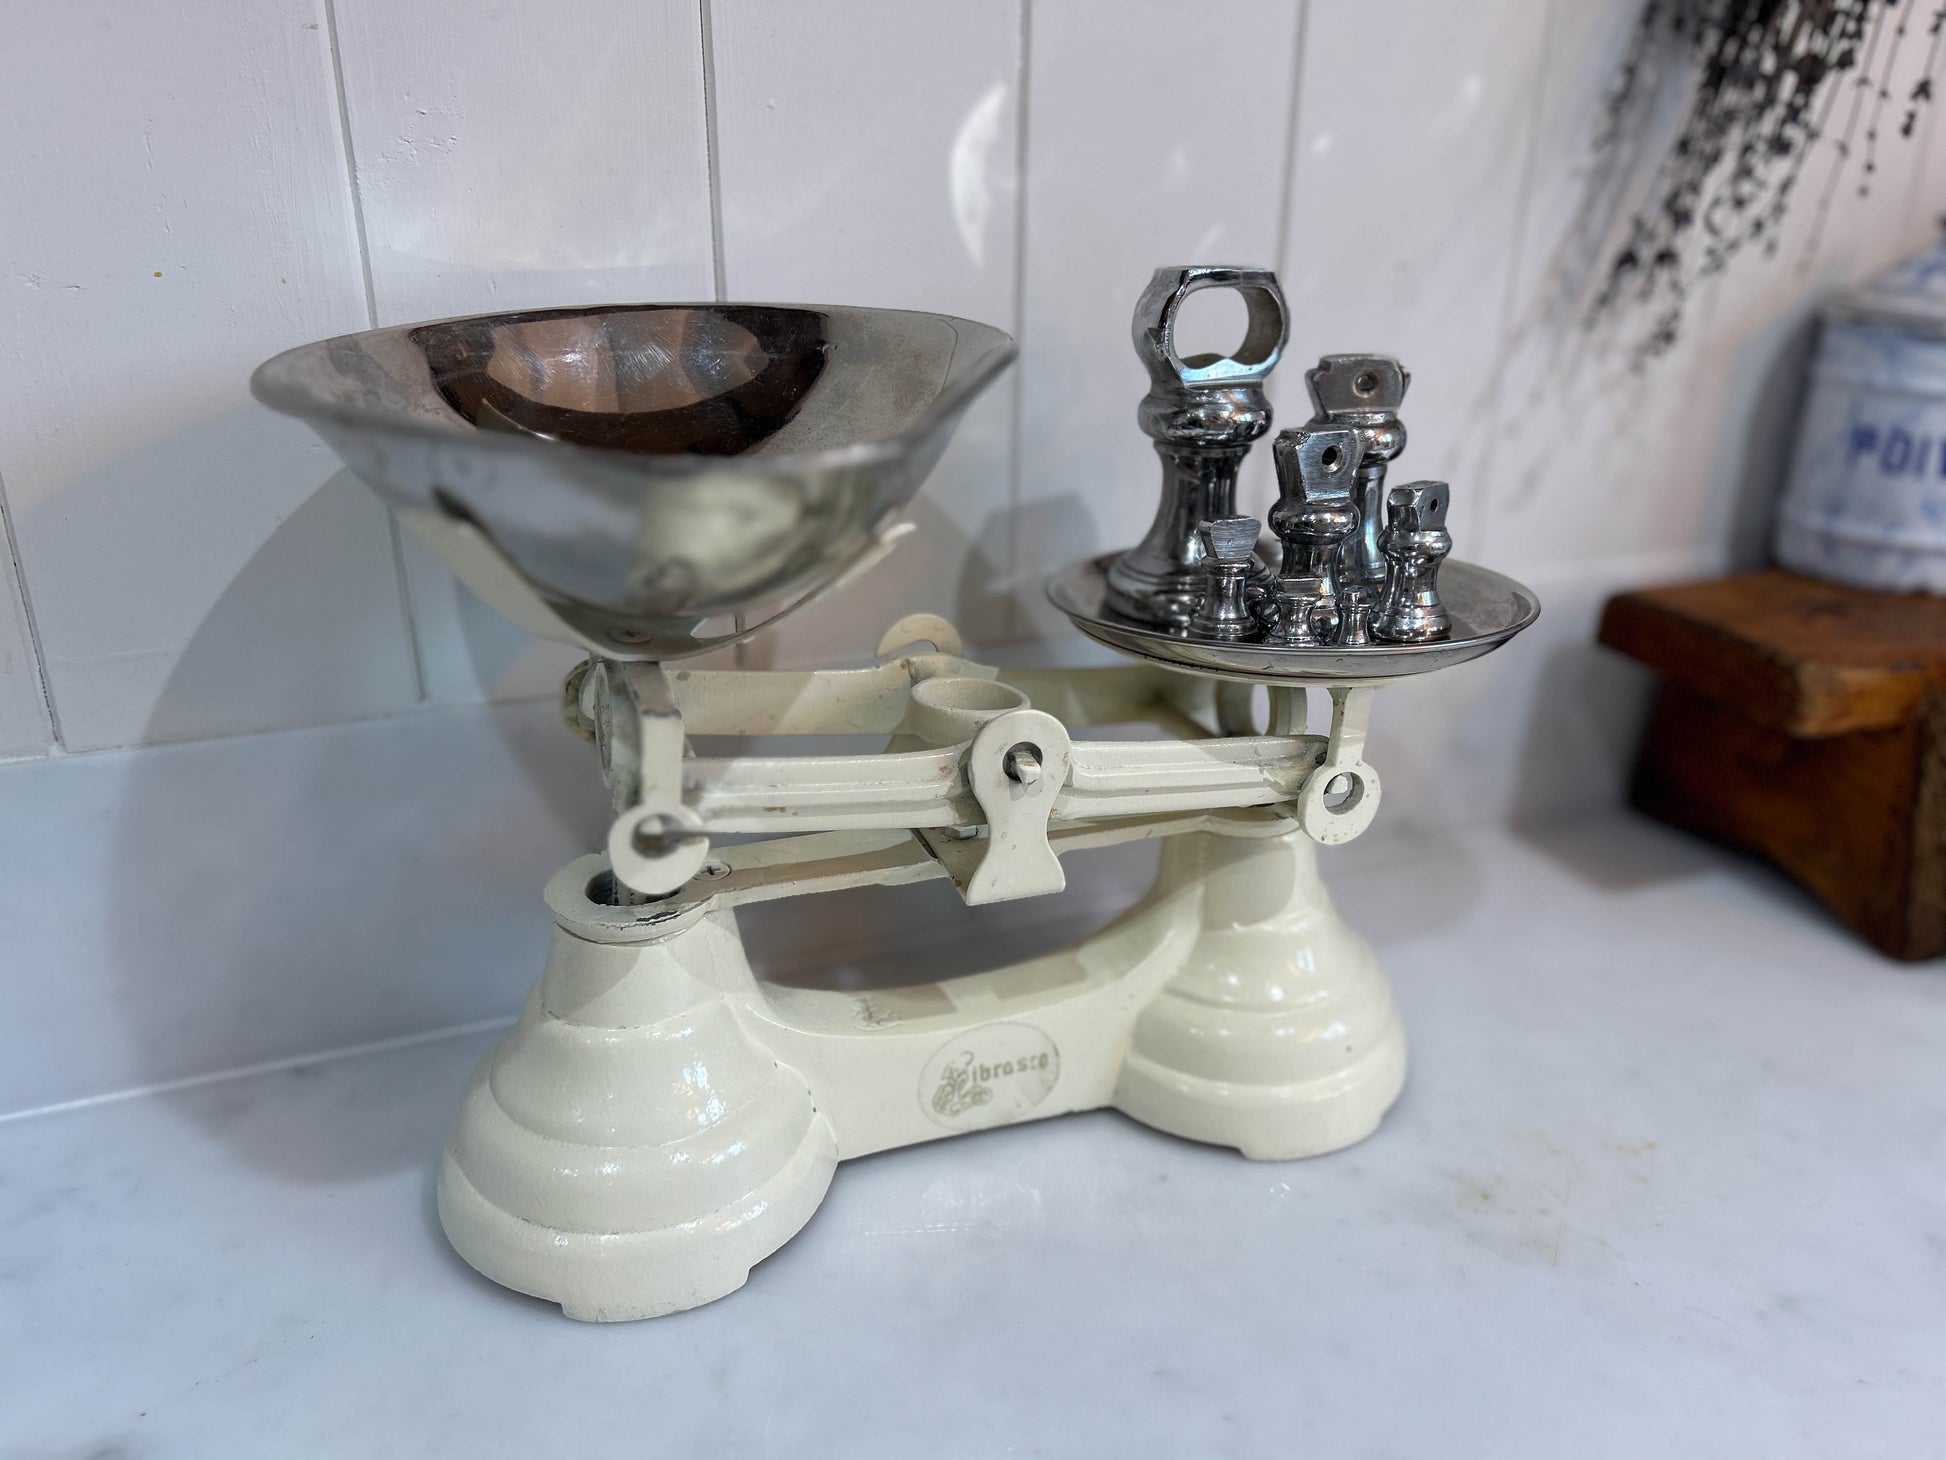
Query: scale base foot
[[1268, 1122], [613, 1277], [629, 1150], [1278, 1035], [656, 1124]]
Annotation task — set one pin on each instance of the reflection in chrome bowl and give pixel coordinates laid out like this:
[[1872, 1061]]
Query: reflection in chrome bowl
[[635, 477]]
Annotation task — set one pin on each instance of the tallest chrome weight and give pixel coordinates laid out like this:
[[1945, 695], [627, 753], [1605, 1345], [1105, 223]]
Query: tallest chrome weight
[[1203, 412]]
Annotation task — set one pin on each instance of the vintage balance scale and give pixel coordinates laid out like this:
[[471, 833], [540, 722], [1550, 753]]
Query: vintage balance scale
[[650, 482]]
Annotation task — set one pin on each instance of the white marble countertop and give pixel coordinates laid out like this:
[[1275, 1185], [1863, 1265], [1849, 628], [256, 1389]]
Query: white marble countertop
[[1668, 1178]]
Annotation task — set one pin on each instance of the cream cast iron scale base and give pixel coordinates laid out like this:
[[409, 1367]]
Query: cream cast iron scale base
[[653, 481], [660, 1119]]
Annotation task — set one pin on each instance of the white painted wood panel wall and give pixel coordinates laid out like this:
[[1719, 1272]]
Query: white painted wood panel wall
[[186, 189], [868, 153], [519, 156], [174, 206]]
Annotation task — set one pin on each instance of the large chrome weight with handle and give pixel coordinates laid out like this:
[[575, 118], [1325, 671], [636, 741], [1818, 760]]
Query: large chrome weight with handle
[[1203, 413]]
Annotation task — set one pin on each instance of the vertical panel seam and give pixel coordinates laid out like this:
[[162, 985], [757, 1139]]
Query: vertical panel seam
[[1014, 626], [1292, 118], [1524, 191], [711, 153], [35, 653], [350, 154], [713, 181], [351, 163]]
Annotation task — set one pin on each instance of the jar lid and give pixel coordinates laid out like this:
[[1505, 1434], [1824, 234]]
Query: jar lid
[[1909, 297]]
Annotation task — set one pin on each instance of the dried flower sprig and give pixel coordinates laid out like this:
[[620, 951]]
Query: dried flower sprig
[[1771, 83]]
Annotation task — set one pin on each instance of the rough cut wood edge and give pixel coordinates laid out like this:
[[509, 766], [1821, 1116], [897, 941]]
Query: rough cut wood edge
[[1805, 657]]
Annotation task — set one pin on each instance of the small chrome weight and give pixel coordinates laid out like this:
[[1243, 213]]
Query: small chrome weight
[[1355, 618], [1365, 393], [1415, 542], [1316, 467], [1223, 612]]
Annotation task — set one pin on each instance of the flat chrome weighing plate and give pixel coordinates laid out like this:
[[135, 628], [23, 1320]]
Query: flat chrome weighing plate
[[1487, 609]]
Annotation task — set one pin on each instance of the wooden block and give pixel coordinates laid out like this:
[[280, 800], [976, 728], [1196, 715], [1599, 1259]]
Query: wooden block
[[1859, 819], [1799, 655], [1804, 721]]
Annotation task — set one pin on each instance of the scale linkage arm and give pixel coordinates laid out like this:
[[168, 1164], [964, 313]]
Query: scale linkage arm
[[977, 767], [929, 789]]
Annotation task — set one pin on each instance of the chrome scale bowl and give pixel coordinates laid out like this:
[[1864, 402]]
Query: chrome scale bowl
[[658, 480]]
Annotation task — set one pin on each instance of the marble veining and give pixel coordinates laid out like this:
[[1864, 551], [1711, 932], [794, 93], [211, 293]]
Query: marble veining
[[1665, 1180]]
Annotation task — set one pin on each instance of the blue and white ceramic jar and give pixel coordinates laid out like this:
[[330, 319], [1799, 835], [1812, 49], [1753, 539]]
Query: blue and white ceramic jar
[[1866, 500]]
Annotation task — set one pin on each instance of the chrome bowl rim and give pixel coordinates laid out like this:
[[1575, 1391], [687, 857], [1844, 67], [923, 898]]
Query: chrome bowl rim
[[291, 400]]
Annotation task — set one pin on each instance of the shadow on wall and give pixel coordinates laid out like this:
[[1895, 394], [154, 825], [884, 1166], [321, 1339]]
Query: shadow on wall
[[345, 882], [1588, 707], [1774, 370], [882, 937], [315, 631], [500, 656], [360, 881], [938, 569]]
